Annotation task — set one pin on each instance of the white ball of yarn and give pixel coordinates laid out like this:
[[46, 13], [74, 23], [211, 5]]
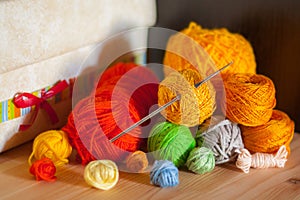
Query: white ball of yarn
[[223, 137]]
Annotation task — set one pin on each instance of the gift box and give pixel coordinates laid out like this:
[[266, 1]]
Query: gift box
[[44, 45]]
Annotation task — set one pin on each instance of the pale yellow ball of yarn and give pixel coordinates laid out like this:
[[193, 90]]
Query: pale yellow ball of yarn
[[101, 174]]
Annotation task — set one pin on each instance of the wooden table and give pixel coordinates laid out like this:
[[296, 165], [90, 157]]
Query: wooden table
[[225, 182]]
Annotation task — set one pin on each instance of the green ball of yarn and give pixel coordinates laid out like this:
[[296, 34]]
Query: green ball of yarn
[[201, 160], [171, 142]]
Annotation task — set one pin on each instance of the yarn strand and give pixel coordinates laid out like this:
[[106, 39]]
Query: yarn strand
[[261, 160]]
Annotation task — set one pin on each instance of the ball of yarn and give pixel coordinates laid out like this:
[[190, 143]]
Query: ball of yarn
[[268, 138], [114, 73], [201, 160], [250, 99], [221, 45], [123, 96], [164, 174], [195, 104], [221, 136], [172, 142], [137, 161], [52, 144], [43, 169], [101, 174]]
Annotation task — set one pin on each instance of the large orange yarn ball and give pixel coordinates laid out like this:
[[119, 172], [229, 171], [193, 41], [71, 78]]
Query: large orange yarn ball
[[220, 44], [195, 104], [123, 96], [268, 138], [250, 99]]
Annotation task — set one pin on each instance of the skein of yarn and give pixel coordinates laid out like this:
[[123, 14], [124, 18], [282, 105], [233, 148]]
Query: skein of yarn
[[261, 160], [52, 144], [269, 137], [101, 174], [137, 162], [221, 136], [164, 174], [172, 142], [195, 104], [221, 45], [123, 96], [201, 160], [250, 99]]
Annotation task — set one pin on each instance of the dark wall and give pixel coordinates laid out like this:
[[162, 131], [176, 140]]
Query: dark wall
[[272, 27]]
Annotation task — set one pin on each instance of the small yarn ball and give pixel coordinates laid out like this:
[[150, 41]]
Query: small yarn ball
[[269, 137], [101, 174], [195, 104], [221, 45], [52, 144], [124, 95], [250, 99], [43, 169], [164, 174], [171, 142], [137, 161], [201, 160], [223, 137]]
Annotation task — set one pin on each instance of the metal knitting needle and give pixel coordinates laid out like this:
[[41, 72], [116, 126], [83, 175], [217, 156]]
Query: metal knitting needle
[[155, 112]]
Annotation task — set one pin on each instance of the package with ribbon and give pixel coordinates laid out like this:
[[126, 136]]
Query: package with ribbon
[[44, 47]]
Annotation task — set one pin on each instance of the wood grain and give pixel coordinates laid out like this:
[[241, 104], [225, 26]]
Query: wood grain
[[225, 182]]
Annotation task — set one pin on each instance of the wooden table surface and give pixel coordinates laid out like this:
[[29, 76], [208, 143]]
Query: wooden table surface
[[224, 182]]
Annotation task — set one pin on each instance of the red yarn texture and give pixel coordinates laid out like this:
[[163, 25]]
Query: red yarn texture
[[123, 96], [43, 169]]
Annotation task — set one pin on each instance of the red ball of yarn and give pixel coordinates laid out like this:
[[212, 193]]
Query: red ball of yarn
[[123, 96]]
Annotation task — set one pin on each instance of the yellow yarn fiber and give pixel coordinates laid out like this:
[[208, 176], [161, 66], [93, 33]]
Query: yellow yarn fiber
[[53, 144], [220, 44], [101, 174], [195, 105]]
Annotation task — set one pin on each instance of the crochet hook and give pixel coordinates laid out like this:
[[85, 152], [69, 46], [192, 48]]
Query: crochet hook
[[155, 112]]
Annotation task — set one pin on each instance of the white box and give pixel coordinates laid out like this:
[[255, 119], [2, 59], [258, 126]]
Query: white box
[[45, 41]]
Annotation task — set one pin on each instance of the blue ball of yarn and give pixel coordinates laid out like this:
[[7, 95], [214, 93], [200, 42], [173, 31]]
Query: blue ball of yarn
[[164, 174]]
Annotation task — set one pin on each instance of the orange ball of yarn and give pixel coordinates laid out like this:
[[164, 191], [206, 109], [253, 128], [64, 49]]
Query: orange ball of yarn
[[137, 162], [250, 99], [124, 95], [195, 104], [268, 138], [221, 45]]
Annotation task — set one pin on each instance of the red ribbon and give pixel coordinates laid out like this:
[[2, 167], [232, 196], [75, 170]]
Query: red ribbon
[[24, 100]]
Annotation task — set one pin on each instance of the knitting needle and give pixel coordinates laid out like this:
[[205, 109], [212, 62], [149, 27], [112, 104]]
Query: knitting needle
[[155, 112]]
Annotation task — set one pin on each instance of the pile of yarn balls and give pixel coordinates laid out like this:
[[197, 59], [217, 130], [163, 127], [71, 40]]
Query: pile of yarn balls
[[250, 119]]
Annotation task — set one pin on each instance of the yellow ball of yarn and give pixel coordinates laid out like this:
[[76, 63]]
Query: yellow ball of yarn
[[101, 174], [221, 45], [250, 99], [195, 104], [270, 136], [53, 144]]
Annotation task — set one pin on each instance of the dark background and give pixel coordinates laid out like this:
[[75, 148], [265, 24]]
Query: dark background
[[271, 26]]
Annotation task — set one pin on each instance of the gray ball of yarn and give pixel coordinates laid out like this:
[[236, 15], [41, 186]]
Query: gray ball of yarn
[[223, 137]]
